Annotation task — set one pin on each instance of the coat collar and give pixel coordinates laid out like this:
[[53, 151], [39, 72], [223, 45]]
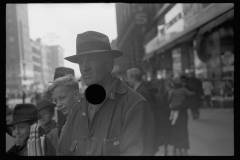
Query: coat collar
[[117, 86], [49, 126]]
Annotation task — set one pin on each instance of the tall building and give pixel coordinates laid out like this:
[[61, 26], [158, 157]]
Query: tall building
[[45, 60], [37, 61], [132, 20], [19, 67], [56, 56]]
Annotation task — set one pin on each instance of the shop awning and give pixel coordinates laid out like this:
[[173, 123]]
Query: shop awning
[[191, 31], [147, 56], [217, 21]]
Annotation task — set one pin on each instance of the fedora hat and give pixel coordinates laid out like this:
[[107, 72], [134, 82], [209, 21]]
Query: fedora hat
[[24, 112], [92, 42], [42, 103]]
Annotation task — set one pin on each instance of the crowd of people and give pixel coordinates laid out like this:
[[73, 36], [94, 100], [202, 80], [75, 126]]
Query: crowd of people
[[133, 119]]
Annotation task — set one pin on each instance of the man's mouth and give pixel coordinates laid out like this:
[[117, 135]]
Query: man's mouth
[[63, 110]]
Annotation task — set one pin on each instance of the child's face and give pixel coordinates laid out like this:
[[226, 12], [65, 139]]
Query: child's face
[[46, 116], [20, 132]]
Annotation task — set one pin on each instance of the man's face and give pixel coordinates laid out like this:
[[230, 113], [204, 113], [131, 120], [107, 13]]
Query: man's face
[[20, 133], [46, 116], [64, 98], [93, 69]]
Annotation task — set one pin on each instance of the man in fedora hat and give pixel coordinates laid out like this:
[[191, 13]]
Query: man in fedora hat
[[48, 126], [24, 115], [123, 124]]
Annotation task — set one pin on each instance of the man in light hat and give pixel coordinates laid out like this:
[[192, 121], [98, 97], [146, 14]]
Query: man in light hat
[[123, 124]]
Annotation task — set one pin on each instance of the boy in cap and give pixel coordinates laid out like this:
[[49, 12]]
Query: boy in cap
[[25, 115], [59, 72], [49, 126]]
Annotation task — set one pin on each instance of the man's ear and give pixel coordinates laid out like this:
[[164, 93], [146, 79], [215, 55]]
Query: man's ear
[[76, 94]]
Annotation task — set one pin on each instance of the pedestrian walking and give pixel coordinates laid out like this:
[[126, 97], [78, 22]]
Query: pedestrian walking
[[48, 126], [178, 116], [197, 98], [207, 88], [164, 126], [25, 115], [121, 125], [23, 96]]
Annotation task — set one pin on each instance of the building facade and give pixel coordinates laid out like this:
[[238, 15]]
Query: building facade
[[56, 56], [45, 60], [198, 38], [19, 66], [132, 20]]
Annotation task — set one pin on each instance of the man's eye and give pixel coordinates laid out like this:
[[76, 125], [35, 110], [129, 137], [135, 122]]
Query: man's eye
[[62, 98]]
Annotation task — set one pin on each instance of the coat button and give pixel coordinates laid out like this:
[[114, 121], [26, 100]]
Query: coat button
[[83, 114]]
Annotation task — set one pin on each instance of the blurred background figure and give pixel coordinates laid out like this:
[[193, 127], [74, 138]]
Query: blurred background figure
[[179, 116], [134, 76], [207, 88], [23, 96], [134, 80], [197, 98], [163, 128]]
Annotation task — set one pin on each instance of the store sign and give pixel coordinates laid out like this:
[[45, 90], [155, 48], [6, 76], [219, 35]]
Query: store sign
[[174, 23], [140, 14]]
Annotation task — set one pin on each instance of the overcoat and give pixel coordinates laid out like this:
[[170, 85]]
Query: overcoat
[[123, 125]]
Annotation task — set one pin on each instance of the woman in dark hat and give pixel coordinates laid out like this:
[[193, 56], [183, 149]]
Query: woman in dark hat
[[49, 126], [25, 115]]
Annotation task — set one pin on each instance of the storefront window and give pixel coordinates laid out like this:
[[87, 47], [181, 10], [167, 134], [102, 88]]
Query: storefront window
[[227, 59], [177, 62]]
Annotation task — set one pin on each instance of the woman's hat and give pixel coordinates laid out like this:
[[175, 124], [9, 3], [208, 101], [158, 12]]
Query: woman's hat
[[24, 112], [42, 103], [92, 42]]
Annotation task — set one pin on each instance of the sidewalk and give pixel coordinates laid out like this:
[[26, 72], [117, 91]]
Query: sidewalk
[[211, 135]]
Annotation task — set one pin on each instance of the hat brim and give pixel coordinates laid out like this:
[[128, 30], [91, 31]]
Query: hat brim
[[112, 53], [24, 120]]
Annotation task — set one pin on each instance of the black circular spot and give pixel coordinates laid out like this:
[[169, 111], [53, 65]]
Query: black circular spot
[[95, 94]]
